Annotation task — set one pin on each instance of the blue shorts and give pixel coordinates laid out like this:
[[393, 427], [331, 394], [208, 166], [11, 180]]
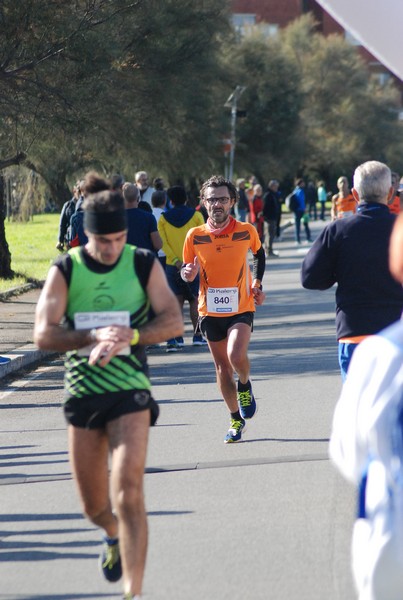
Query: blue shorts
[[187, 289], [346, 350]]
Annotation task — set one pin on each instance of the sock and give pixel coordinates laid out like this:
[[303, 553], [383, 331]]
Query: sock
[[110, 541], [244, 387], [237, 416]]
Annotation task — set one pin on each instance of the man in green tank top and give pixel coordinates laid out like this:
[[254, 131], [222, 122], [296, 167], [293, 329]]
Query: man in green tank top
[[95, 307]]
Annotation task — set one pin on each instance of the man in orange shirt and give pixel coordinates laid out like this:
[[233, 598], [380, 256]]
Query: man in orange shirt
[[227, 295], [343, 203], [394, 204]]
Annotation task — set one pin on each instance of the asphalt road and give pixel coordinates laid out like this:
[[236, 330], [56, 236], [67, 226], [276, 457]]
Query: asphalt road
[[268, 518]]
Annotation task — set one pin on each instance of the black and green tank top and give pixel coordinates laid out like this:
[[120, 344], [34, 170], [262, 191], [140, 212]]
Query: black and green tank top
[[97, 290]]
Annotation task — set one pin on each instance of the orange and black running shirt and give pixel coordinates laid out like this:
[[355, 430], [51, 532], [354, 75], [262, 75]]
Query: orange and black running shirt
[[394, 206], [346, 206], [225, 275]]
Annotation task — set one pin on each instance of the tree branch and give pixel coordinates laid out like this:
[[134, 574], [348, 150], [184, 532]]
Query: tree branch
[[13, 160]]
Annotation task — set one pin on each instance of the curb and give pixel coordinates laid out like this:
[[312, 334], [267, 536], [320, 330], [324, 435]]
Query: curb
[[21, 289], [23, 357]]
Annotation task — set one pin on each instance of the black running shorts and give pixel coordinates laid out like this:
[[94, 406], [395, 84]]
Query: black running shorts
[[215, 329], [94, 412]]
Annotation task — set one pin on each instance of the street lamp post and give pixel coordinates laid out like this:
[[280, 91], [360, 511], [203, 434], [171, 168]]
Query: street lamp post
[[232, 104]]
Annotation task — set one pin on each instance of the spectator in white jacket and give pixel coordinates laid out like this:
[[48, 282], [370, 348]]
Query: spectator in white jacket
[[146, 191], [366, 445]]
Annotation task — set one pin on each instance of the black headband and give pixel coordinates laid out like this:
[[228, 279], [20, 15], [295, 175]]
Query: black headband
[[105, 222]]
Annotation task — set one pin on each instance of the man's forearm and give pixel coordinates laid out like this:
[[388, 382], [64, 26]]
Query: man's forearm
[[57, 337], [259, 264]]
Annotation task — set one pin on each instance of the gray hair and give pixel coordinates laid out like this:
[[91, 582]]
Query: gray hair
[[130, 192], [140, 174], [372, 180]]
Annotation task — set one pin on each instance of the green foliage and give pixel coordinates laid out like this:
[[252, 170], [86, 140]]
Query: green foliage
[[272, 99], [313, 108], [115, 79], [119, 85], [346, 117]]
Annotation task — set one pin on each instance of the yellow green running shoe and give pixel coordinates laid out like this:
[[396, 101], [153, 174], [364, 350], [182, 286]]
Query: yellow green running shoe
[[235, 431], [247, 402], [110, 562]]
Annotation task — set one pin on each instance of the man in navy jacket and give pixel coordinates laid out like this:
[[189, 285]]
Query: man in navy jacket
[[353, 252]]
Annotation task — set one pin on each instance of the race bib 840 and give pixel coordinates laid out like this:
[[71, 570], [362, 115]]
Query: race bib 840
[[222, 300]]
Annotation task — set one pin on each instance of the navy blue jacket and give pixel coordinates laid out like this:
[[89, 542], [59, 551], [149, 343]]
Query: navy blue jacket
[[353, 252], [271, 206], [68, 211], [77, 234], [140, 226]]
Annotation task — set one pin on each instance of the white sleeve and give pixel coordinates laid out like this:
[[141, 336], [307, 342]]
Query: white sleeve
[[360, 422]]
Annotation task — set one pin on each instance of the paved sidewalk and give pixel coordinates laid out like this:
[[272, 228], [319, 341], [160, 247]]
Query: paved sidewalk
[[17, 314]]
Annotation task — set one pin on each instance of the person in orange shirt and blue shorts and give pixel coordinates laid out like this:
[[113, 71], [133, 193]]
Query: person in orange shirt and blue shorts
[[343, 203], [228, 294]]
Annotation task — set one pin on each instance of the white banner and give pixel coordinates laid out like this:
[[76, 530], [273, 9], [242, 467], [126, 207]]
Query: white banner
[[377, 24]]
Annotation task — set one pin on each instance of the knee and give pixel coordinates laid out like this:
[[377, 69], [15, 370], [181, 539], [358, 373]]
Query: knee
[[225, 372], [130, 499], [237, 359], [94, 511]]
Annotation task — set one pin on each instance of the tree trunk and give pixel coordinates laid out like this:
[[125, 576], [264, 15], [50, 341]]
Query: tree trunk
[[58, 187], [5, 256], [59, 191]]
